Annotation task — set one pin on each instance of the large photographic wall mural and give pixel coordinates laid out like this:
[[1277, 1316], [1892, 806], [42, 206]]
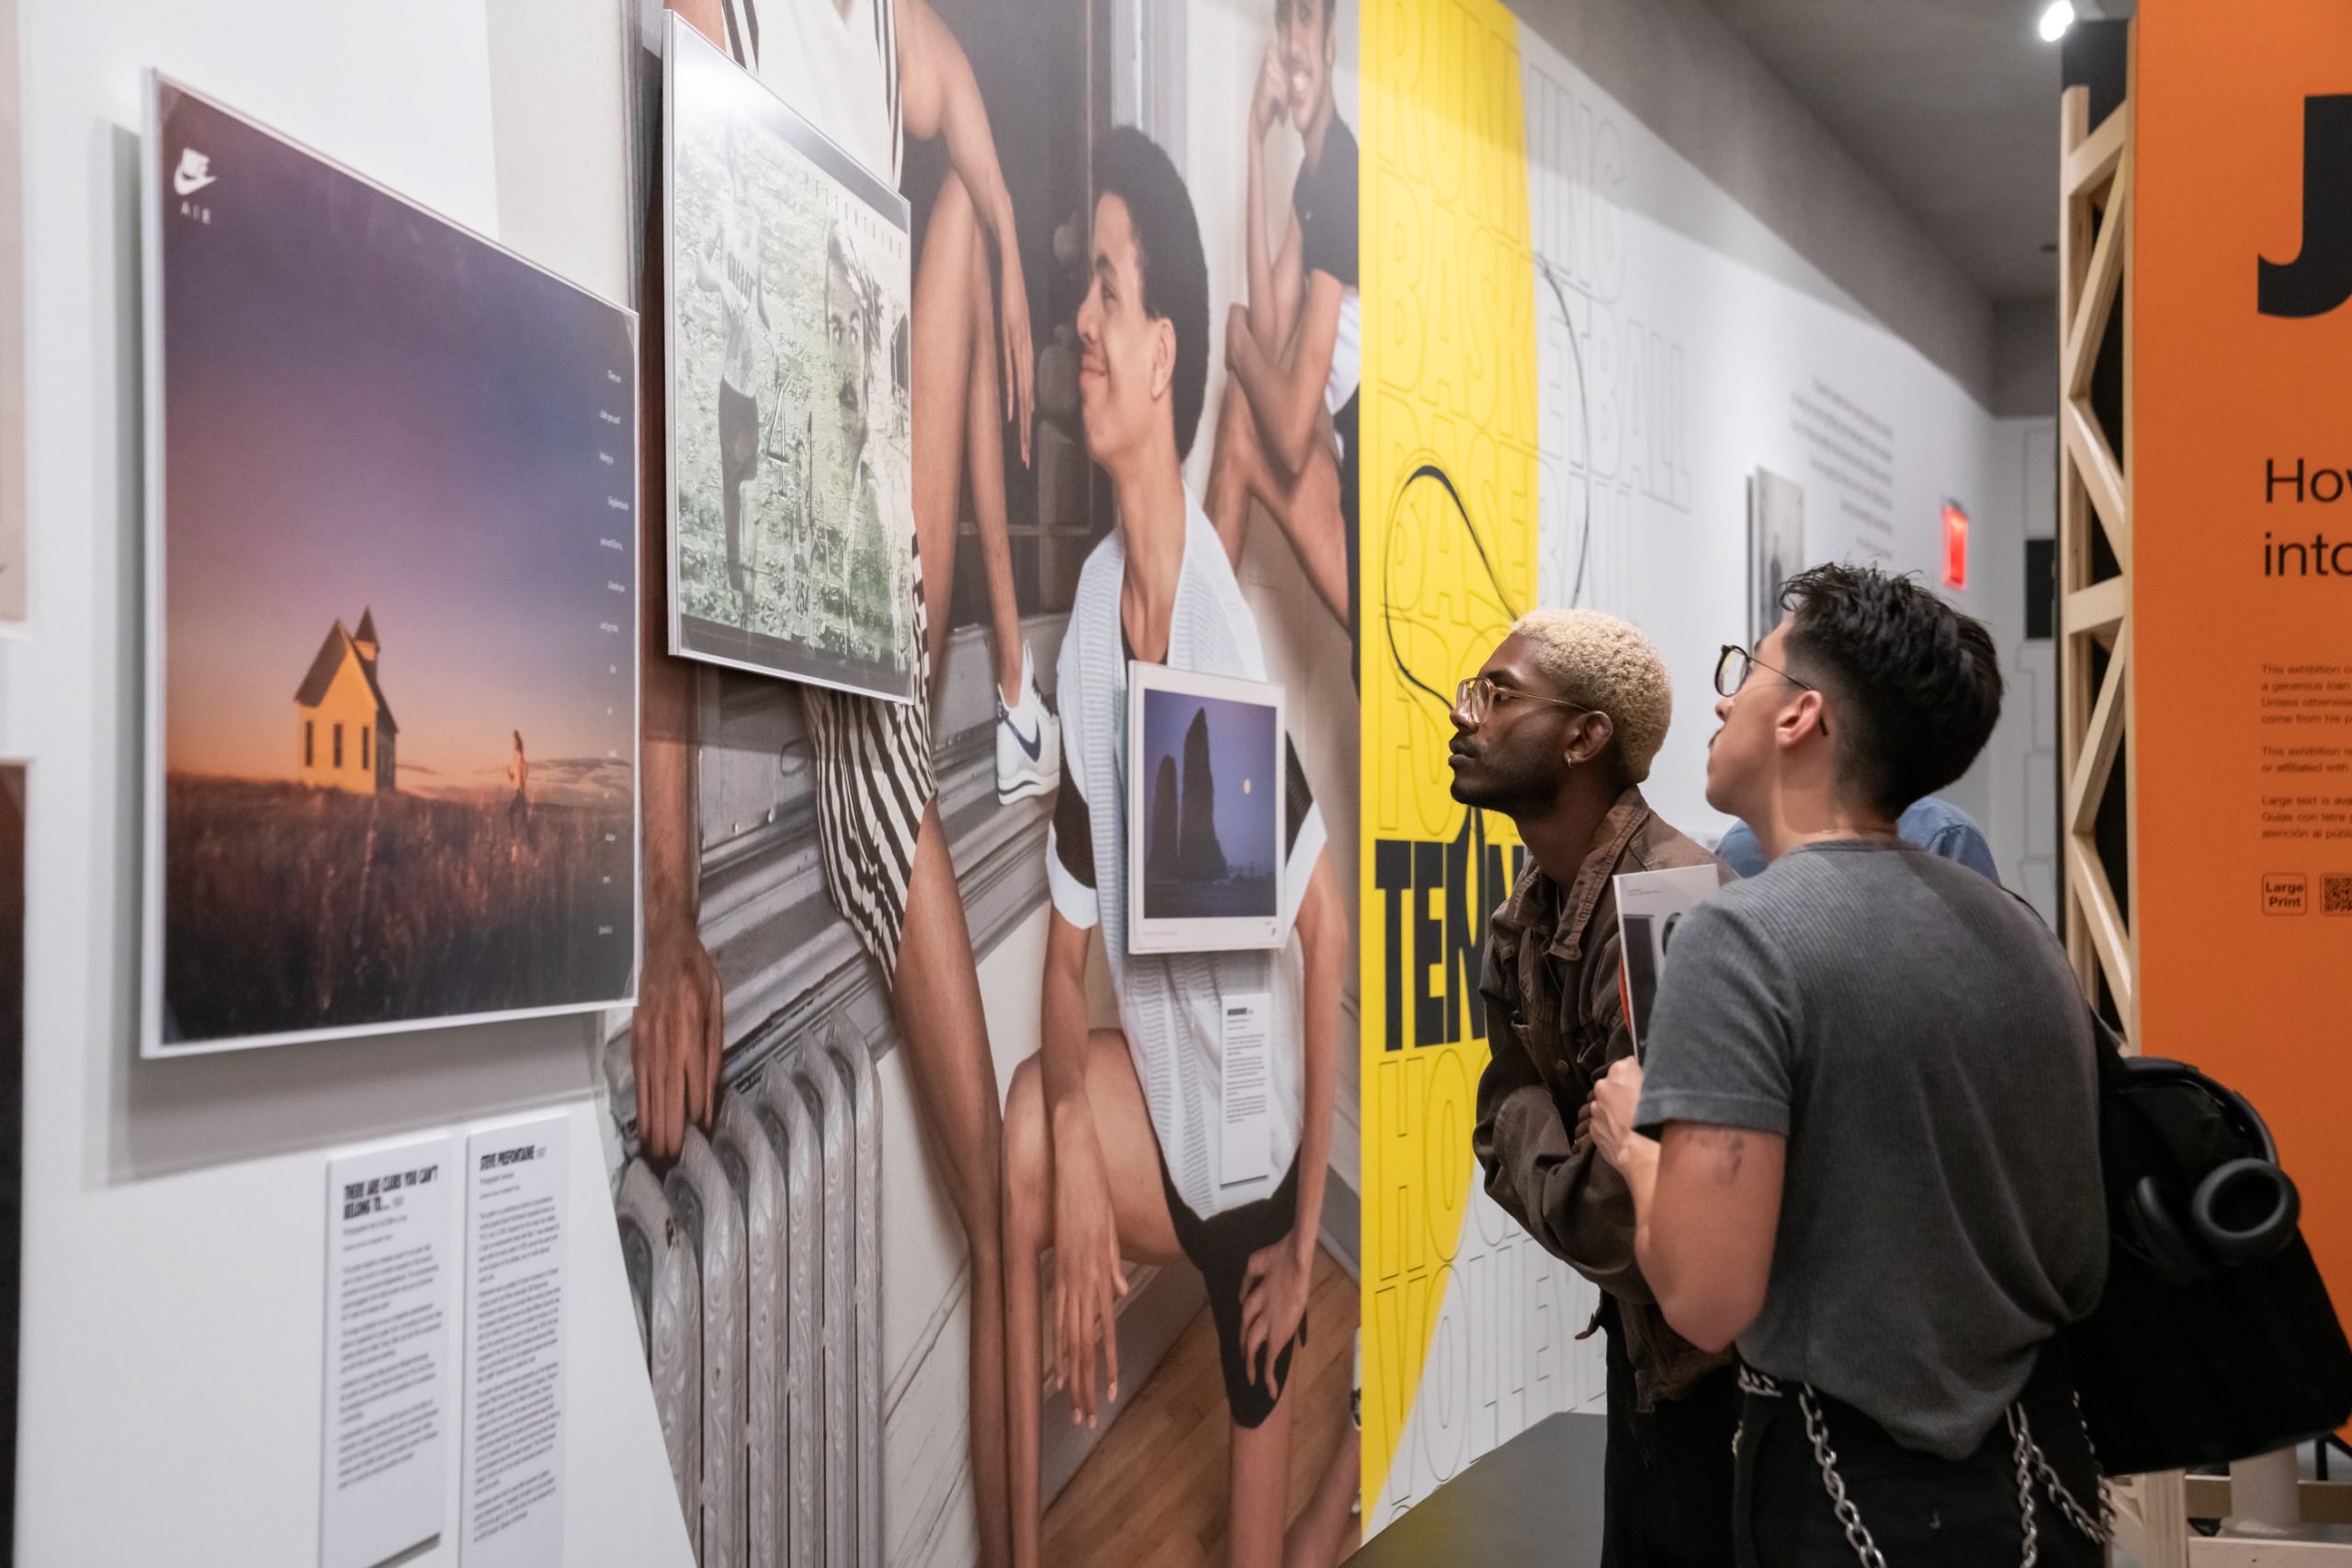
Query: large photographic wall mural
[[926, 1153], [1294, 349]]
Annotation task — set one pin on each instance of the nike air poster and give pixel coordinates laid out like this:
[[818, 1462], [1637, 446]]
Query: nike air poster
[[392, 575]]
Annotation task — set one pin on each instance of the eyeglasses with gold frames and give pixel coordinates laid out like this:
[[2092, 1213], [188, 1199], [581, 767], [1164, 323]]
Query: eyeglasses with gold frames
[[1475, 698]]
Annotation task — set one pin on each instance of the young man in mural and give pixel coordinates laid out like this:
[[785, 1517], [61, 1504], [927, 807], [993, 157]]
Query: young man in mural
[[1868, 1142], [1111, 1134], [867, 71], [1556, 731], [1287, 434]]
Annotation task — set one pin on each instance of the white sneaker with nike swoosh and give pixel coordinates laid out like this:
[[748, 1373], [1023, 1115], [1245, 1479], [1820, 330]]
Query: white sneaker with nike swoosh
[[1028, 740]]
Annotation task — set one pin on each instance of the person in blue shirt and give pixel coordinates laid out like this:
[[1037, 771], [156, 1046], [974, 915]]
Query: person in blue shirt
[[1932, 823]]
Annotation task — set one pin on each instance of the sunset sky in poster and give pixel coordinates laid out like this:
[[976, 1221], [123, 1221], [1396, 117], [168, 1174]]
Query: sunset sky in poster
[[367, 409]]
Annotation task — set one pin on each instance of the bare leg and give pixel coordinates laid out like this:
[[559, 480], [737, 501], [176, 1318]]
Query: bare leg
[[984, 425], [1237, 472], [944, 335], [938, 1006], [1325, 1529], [938, 995], [1028, 1219], [1147, 1235], [1258, 1483], [1306, 506]]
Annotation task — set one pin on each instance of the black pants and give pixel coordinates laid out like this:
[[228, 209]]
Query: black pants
[[1220, 1247], [1669, 1482], [1922, 1511], [738, 454]]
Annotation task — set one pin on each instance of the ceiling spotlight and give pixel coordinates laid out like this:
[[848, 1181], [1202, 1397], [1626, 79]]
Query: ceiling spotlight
[[2057, 19]]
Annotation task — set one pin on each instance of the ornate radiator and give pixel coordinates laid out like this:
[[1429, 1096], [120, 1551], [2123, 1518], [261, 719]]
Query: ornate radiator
[[755, 1263]]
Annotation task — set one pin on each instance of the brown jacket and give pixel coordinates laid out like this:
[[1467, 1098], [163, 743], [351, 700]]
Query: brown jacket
[[1556, 1020]]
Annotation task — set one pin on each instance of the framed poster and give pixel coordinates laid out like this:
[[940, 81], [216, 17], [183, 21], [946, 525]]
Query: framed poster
[[391, 693], [1205, 812], [1775, 547], [792, 529]]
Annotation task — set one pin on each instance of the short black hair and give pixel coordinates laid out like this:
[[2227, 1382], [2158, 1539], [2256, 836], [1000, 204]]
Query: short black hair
[[1130, 165], [1918, 685]]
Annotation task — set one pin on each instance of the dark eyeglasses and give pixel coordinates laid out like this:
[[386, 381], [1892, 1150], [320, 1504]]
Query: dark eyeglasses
[[1474, 699], [1732, 669]]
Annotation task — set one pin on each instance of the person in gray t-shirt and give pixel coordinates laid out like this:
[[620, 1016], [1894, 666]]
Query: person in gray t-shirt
[[1864, 1146]]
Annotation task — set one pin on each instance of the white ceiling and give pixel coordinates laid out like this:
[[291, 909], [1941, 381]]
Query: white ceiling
[[1953, 105]]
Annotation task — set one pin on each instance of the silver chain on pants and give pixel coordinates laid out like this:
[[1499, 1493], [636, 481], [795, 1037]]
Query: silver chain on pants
[[2033, 1464]]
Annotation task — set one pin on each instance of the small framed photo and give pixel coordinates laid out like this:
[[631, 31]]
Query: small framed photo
[[1776, 547], [1205, 812]]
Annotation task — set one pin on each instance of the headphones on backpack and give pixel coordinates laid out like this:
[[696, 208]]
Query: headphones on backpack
[[2242, 1211]]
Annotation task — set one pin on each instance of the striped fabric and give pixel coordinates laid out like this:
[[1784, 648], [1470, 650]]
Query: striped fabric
[[872, 758], [873, 782]]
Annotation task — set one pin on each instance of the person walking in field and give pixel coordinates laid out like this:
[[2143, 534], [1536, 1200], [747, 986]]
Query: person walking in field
[[730, 269], [518, 775]]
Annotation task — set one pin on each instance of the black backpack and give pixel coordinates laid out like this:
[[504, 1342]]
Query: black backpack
[[2215, 1339]]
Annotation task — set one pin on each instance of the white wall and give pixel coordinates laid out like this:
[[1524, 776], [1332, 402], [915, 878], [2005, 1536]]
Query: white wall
[[174, 1211], [1697, 345], [1678, 67]]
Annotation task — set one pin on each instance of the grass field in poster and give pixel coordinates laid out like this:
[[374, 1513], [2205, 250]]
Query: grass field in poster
[[394, 693]]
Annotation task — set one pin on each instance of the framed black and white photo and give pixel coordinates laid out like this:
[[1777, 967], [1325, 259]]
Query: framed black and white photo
[[1205, 812], [792, 530]]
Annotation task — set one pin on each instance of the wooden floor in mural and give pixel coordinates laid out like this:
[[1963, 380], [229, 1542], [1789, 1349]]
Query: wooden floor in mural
[[1152, 1495]]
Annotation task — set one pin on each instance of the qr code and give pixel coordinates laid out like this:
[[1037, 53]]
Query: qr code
[[2335, 895]]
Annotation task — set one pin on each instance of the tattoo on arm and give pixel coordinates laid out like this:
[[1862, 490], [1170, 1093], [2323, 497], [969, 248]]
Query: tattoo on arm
[[1730, 1146]]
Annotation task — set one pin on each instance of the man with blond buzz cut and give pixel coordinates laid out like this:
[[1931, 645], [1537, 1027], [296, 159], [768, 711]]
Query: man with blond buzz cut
[[1557, 732]]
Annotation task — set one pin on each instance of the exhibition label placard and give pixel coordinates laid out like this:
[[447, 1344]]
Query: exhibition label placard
[[512, 1489], [2241, 563], [383, 1475]]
